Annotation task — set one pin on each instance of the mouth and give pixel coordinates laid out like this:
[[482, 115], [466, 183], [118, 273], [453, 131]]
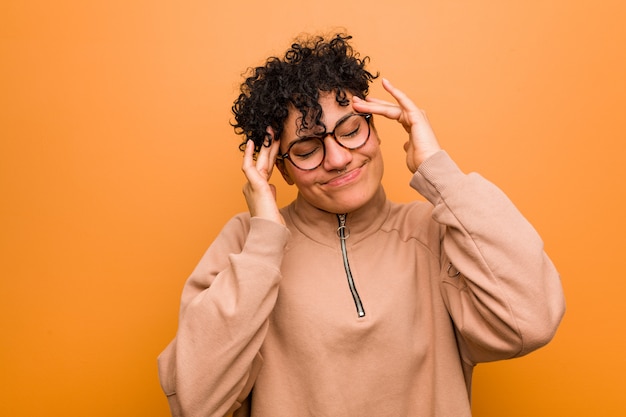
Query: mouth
[[344, 178]]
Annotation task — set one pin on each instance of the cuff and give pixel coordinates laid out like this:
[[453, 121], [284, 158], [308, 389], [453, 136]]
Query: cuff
[[434, 175], [267, 240]]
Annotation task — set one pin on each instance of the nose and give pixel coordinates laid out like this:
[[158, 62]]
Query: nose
[[337, 157]]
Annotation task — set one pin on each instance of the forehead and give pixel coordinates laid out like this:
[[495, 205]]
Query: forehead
[[332, 112]]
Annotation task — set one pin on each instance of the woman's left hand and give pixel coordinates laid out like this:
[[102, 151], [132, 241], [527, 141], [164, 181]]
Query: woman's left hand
[[422, 141]]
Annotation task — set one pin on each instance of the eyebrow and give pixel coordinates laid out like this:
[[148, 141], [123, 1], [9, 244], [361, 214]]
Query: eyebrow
[[340, 121]]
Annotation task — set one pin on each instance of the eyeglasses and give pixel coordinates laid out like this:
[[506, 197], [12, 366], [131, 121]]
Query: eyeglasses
[[351, 132]]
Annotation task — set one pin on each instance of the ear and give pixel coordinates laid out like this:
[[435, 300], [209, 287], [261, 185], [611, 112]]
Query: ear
[[280, 164]]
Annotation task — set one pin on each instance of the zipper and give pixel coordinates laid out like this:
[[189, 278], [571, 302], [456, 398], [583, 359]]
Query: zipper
[[343, 233]]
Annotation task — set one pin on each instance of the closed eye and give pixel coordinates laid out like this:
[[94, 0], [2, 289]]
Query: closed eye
[[306, 148]]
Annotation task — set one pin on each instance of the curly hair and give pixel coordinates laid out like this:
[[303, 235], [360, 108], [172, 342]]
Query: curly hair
[[310, 66]]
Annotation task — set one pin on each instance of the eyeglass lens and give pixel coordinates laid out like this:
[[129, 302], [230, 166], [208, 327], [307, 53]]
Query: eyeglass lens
[[351, 133]]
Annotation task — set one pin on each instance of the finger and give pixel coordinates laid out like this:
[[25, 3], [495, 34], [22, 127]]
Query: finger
[[266, 158], [373, 100], [262, 169], [377, 106], [248, 154], [399, 95], [272, 153], [250, 165]]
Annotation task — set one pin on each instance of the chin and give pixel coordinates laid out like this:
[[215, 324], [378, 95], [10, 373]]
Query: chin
[[349, 204], [347, 198]]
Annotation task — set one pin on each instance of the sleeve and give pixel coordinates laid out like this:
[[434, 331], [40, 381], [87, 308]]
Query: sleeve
[[210, 366], [502, 291]]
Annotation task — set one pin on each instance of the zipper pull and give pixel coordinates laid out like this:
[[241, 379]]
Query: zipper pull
[[343, 232]]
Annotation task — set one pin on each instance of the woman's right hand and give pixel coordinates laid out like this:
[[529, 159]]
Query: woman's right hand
[[259, 193]]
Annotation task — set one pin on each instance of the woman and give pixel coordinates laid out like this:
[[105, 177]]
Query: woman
[[344, 303]]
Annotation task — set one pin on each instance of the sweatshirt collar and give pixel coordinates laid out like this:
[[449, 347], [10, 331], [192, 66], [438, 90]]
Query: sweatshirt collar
[[321, 225]]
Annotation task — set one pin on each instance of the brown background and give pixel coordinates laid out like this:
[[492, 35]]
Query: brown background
[[118, 167]]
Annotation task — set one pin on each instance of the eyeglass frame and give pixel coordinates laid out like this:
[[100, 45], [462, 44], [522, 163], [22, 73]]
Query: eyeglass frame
[[323, 135]]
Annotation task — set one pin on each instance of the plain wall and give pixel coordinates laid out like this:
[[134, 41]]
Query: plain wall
[[118, 167]]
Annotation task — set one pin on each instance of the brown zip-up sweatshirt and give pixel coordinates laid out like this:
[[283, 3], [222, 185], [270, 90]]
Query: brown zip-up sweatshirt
[[388, 319]]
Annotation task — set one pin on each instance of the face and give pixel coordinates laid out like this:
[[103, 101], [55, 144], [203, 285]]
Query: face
[[346, 179]]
